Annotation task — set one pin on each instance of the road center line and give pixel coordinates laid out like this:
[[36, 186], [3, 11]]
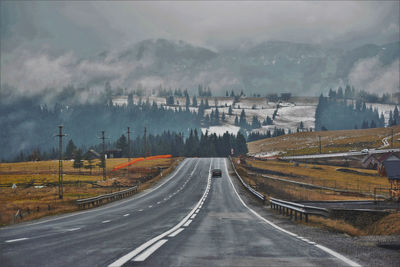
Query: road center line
[[145, 245], [187, 223], [16, 240], [149, 251], [176, 232], [73, 229], [329, 251]]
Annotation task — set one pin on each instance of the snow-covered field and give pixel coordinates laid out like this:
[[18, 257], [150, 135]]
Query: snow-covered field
[[289, 115]]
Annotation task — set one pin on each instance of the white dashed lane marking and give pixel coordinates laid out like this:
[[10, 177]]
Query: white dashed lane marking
[[16, 240], [176, 232], [187, 223], [106, 221]]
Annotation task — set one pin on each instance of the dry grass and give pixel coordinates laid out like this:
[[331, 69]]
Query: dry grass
[[334, 225], [289, 191], [39, 202], [389, 225], [325, 175], [331, 141]]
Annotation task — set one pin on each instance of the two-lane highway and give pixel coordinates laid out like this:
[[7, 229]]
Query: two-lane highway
[[97, 237], [190, 219]]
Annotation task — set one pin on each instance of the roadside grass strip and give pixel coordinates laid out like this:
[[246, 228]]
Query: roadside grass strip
[[142, 252]]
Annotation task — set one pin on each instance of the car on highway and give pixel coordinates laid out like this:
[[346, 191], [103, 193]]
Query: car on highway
[[216, 173], [365, 151]]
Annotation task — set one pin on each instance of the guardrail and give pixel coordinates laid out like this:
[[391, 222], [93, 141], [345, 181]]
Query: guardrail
[[292, 209], [248, 187], [98, 200]]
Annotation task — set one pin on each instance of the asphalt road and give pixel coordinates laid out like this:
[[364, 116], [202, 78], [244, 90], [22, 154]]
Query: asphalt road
[[190, 219]]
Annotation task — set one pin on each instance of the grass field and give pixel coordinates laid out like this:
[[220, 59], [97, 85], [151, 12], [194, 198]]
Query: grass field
[[306, 143], [324, 175], [34, 197]]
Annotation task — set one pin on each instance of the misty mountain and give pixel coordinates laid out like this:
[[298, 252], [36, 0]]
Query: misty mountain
[[268, 67], [274, 66]]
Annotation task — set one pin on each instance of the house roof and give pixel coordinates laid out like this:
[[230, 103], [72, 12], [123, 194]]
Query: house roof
[[386, 156], [392, 168], [369, 158]]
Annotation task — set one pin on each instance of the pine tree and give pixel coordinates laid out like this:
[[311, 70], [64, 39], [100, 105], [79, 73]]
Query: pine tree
[[223, 116], [242, 120], [194, 101], [187, 104], [230, 110], [122, 144], [69, 150], [78, 163], [396, 118], [236, 120]]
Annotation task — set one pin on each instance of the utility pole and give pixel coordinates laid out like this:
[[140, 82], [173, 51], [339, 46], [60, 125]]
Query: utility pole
[[103, 156], [320, 147], [60, 163], [392, 136], [129, 151], [145, 143]]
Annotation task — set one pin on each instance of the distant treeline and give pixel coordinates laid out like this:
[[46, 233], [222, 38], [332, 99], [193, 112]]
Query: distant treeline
[[173, 143], [26, 125], [337, 112]]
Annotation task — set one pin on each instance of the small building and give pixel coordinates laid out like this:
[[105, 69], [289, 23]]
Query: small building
[[385, 157], [114, 153], [392, 170]]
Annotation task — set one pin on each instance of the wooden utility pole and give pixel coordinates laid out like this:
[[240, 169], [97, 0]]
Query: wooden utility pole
[[60, 163], [320, 147], [129, 151], [103, 156], [392, 137]]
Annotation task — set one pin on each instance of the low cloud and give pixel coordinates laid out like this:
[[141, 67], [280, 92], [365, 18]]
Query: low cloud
[[373, 76]]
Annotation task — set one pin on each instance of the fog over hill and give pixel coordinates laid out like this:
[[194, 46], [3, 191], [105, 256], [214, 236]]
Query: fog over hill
[[268, 67]]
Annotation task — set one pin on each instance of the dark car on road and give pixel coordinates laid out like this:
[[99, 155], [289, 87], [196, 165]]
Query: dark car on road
[[216, 173]]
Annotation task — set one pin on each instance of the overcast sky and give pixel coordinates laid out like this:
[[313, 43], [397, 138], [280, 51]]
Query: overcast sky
[[87, 28]]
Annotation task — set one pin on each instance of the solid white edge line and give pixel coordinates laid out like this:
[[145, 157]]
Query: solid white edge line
[[176, 232], [16, 240], [327, 250], [150, 250], [187, 223], [183, 163], [145, 245]]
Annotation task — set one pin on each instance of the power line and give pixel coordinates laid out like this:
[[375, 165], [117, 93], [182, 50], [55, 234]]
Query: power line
[[60, 163], [129, 151], [103, 156]]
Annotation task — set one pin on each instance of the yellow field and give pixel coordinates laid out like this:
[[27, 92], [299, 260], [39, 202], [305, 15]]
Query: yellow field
[[39, 172], [331, 141], [325, 175], [36, 202]]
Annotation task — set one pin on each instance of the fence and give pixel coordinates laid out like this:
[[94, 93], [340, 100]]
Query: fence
[[98, 200]]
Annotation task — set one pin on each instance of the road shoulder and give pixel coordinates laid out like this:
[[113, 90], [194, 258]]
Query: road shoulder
[[360, 249]]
